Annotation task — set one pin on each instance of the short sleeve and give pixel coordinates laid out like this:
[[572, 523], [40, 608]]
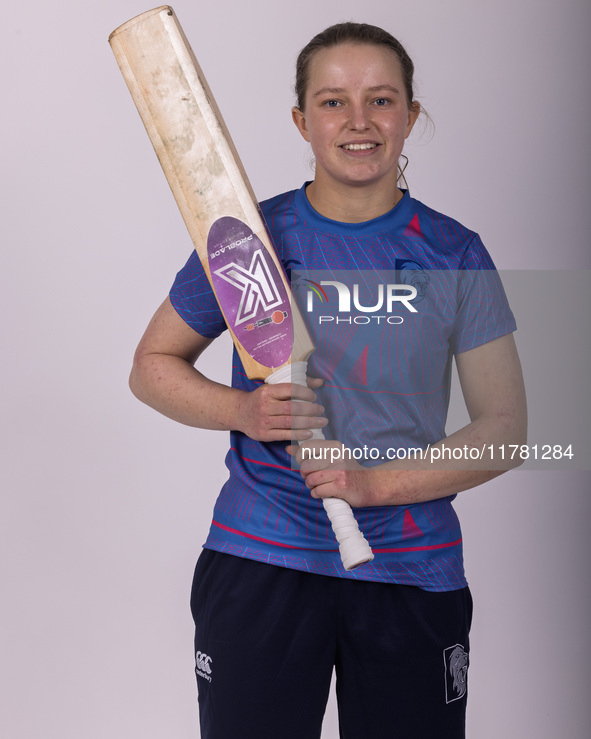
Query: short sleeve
[[484, 313], [193, 299]]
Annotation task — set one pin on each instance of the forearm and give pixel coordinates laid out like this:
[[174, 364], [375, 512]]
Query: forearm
[[445, 468], [450, 466], [495, 395], [164, 377], [442, 469], [405, 487], [175, 388]]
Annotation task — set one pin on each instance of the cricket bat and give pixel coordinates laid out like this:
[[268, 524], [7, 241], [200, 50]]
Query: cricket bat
[[222, 216]]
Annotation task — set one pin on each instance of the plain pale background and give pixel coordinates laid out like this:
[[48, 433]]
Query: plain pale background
[[104, 503]]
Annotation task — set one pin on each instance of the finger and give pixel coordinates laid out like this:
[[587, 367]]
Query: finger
[[308, 422], [321, 484], [289, 391], [299, 424], [301, 408], [301, 435], [303, 452], [285, 435]]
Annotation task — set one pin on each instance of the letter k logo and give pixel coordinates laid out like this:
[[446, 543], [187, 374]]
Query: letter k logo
[[255, 283]]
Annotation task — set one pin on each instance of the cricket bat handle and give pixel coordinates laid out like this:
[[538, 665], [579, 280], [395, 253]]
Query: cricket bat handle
[[353, 546]]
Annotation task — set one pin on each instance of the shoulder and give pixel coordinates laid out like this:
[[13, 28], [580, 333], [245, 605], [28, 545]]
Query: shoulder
[[279, 202], [281, 210], [449, 237], [439, 226]]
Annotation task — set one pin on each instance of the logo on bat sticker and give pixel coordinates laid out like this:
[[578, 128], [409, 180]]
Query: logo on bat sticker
[[278, 316], [256, 284]]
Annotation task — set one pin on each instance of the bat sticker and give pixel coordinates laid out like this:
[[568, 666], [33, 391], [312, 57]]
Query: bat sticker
[[250, 290]]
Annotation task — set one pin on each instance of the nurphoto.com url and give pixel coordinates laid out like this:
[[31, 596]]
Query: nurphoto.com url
[[441, 452]]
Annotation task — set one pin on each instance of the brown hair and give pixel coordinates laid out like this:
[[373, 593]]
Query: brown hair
[[356, 33]]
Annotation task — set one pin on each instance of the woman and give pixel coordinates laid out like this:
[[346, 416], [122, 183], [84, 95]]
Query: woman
[[274, 609]]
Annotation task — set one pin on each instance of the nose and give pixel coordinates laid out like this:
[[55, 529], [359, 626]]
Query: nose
[[358, 117]]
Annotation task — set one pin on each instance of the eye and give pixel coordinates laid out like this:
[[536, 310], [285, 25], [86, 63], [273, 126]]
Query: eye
[[331, 103], [381, 102]]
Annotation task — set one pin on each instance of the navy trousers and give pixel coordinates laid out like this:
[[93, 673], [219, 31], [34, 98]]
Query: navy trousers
[[267, 640]]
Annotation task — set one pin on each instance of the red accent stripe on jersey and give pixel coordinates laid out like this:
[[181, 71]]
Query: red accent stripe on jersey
[[419, 549], [258, 538], [291, 546], [358, 374], [257, 461], [414, 227]]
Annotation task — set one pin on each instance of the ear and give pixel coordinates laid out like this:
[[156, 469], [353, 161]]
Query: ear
[[299, 119], [413, 113]]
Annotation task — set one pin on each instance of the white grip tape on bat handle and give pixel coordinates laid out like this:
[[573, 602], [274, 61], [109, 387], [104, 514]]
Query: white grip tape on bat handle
[[353, 546]]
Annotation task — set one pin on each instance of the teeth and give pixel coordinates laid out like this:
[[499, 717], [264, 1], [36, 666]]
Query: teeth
[[359, 147]]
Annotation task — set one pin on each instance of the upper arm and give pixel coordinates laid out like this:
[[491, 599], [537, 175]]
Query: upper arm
[[167, 333], [492, 381]]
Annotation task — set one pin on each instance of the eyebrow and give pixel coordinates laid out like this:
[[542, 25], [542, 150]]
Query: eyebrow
[[340, 90]]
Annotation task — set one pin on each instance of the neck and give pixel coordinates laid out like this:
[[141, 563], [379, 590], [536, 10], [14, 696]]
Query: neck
[[352, 204]]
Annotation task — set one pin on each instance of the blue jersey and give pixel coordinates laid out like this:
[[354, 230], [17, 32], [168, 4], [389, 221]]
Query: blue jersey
[[388, 303]]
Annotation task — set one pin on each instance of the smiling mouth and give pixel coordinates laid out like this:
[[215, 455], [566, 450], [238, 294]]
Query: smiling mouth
[[358, 147]]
